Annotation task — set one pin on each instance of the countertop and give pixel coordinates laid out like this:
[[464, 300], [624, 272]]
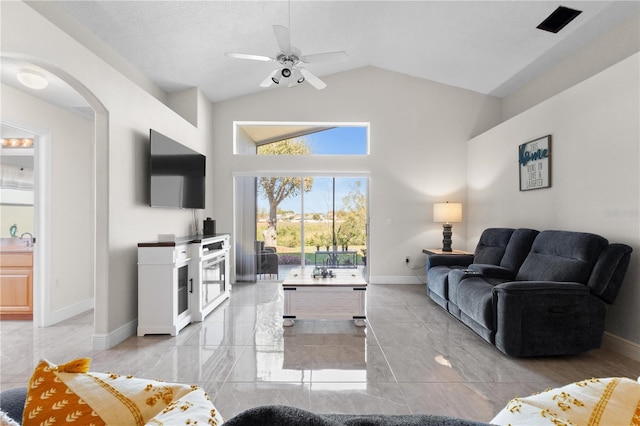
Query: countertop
[[15, 245]]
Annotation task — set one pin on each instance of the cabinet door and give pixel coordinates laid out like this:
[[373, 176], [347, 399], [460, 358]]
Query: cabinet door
[[16, 297], [183, 288]]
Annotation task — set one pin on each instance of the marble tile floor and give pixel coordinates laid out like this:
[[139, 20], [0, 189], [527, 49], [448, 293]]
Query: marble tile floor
[[411, 358]]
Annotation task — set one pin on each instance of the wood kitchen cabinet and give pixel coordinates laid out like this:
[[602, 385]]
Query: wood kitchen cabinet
[[16, 285]]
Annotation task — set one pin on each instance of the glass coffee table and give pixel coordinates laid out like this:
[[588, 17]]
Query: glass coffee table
[[342, 296]]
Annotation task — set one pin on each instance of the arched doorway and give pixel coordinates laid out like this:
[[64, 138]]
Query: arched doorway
[[48, 282]]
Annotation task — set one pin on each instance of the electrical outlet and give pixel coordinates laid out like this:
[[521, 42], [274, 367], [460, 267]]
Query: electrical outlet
[[406, 259]]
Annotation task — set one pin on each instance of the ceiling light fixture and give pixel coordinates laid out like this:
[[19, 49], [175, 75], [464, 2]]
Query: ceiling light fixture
[[297, 75], [291, 61], [32, 79], [17, 142]]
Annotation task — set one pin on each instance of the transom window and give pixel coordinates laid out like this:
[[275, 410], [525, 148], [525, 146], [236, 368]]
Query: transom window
[[273, 138]]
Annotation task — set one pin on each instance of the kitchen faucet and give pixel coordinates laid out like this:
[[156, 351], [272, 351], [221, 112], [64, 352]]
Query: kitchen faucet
[[31, 239]]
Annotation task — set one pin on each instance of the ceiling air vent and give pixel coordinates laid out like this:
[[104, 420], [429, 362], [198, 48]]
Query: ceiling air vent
[[559, 19]]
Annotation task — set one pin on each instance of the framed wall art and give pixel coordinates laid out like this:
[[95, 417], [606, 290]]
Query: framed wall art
[[534, 161]]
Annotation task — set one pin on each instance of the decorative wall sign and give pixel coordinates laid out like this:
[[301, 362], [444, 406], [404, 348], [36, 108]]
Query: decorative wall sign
[[534, 160]]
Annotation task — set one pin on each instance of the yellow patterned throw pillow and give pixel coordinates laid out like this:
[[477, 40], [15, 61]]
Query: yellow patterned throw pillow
[[593, 402], [69, 393]]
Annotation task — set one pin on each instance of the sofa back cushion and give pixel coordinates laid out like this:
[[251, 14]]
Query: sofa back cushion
[[492, 245], [562, 256], [518, 248]]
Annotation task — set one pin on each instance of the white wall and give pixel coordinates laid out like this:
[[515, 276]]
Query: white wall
[[604, 51], [595, 173], [21, 216], [126, 113], [71, 233], [419, 132]]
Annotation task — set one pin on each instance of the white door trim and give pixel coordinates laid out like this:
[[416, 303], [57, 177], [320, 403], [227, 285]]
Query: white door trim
[[42, 221]]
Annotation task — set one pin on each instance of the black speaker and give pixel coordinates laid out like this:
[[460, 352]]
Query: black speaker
[[209, 227]]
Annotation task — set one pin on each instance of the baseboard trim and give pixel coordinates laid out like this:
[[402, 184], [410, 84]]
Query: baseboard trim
[[621, 346], [69, 311], [109, 340], [401, 279]]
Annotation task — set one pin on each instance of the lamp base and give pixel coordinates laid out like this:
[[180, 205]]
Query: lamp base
[[446, 237]]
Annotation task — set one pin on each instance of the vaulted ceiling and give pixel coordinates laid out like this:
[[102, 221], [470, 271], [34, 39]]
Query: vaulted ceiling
[[491, 47]]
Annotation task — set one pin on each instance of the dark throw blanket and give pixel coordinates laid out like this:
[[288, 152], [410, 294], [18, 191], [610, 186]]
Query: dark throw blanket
[[282, 415], [12, 402]]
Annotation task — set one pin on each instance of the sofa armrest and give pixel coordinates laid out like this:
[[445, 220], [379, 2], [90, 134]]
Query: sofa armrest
[[461, 260], [492, 271], [538, 318]]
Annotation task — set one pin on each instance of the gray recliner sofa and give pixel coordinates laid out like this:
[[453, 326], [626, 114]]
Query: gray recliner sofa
[[532, 293], [497, 246]]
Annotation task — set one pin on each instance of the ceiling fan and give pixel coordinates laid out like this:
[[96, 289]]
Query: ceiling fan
[[290, 61]]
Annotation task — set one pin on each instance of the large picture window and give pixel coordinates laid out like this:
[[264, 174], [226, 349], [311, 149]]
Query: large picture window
[[288, 219]]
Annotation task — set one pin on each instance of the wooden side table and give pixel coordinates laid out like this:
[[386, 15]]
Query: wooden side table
[[430, 251]]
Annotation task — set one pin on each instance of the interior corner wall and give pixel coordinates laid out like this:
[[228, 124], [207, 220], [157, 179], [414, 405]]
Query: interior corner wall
[[244, 143], [606, 50], [418, 140], [185, 103], [595, 157], [123, 135], [71, 150]]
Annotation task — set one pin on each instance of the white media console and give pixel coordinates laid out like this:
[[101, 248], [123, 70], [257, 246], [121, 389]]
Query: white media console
[[181, 281]]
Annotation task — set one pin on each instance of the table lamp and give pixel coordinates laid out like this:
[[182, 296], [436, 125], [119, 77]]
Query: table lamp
[[446, 213]]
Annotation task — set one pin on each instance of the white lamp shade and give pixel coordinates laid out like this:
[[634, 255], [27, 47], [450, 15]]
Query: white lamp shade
[[447, 212]]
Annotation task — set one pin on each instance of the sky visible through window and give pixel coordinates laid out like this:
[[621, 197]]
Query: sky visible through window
[[319, 199], [336, 141], [339, 141]]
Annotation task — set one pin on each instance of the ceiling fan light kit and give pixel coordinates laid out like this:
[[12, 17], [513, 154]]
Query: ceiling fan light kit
[[291, 60]]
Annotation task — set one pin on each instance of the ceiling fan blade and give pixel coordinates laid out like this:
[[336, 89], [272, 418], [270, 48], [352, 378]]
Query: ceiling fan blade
[[248, 56], [268, 82], [283, 38], [325, 57], [312, 79]]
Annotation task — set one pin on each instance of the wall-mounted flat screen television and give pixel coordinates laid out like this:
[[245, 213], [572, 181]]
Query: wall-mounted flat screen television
[[177, 174]]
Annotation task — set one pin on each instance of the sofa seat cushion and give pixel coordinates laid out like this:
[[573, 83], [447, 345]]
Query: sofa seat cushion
[[437, 280], [472, 294]]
